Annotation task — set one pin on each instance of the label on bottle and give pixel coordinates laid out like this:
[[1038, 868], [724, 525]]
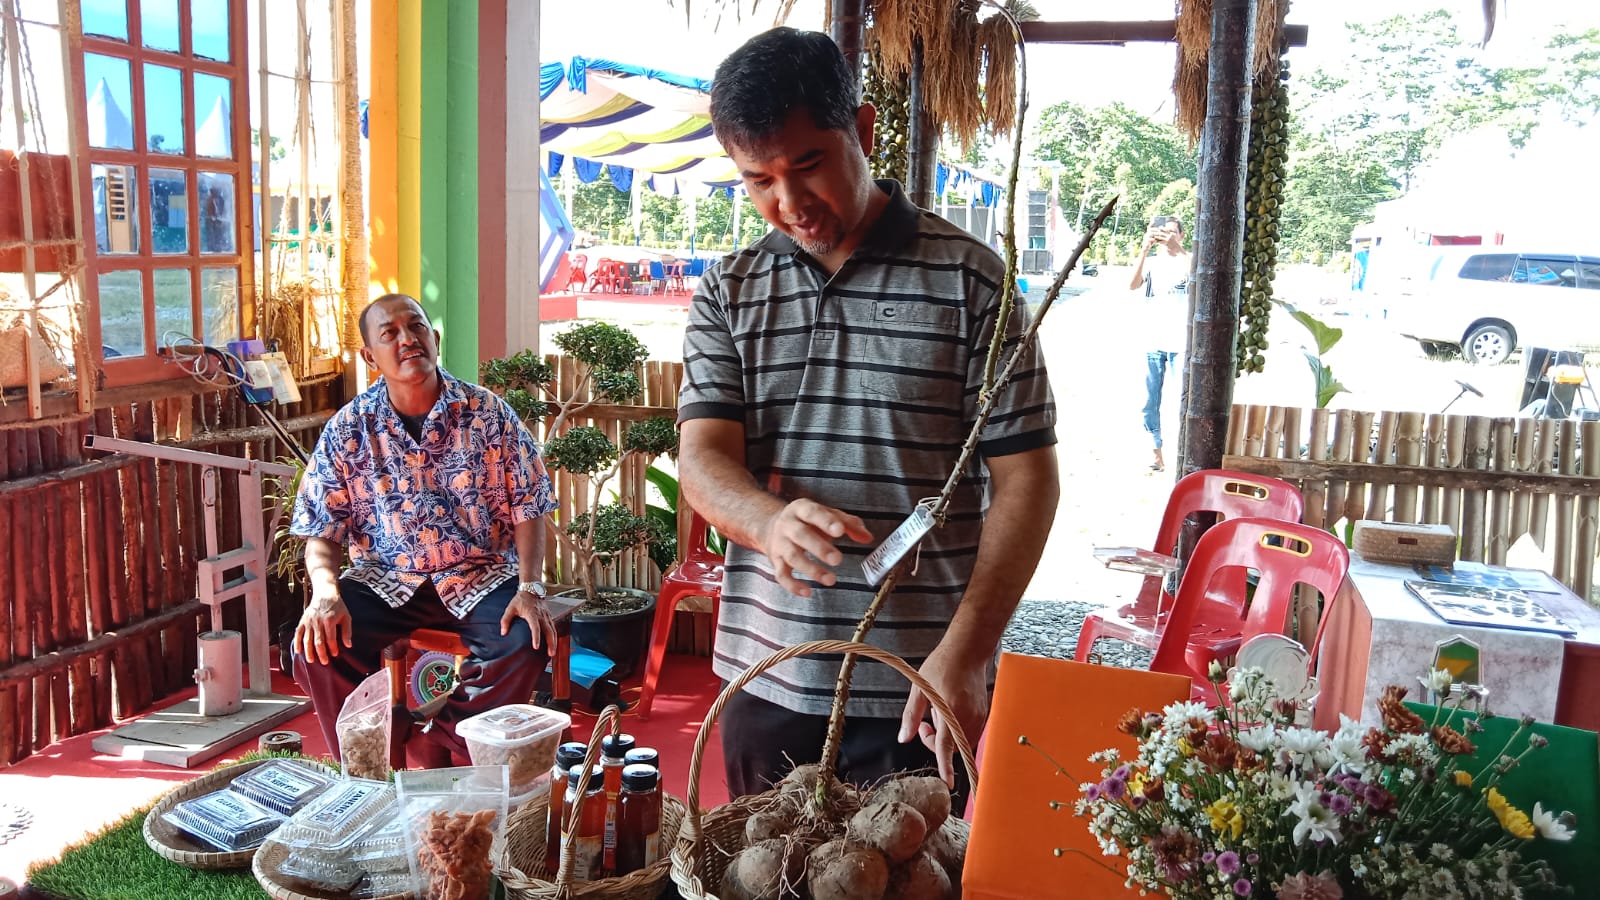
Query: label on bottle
[[652, 847], [586, 859], [611, 832]]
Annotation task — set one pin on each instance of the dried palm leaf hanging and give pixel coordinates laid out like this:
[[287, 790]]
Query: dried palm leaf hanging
[[952, 72], [999, 45], [1194, 51]]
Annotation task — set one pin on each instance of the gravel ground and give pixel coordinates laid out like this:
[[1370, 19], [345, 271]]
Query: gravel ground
[[1050, 628]]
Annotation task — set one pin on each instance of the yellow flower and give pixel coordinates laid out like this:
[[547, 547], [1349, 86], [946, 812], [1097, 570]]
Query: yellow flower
[[1463, 778], [1513, 820], [1226, 818], [1184, 747], [1137, 783]]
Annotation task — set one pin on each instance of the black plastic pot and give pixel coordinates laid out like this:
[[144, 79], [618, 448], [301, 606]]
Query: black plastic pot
[[624, 638]]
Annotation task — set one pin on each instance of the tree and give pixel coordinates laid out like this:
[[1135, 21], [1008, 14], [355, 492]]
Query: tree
[[1110, 148], [1328, 193]]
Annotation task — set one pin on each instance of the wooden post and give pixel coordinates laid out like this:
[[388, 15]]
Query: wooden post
[[1582, 582], [849, 31], [922, 137], [1219, 236]]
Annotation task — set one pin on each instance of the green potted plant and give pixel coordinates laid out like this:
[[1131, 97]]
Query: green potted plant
[[613, 620]]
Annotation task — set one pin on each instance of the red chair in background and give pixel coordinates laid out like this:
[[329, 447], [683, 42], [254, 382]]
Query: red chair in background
[[1204, 627], [577, 272], [697, 574], [1230, 494]]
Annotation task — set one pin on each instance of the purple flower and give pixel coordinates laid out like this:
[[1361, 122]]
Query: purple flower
[[1122, 773], [1339, 804], [1114, 787], [1092, 793], [1243, 887], [1253, 858], [1136, 801], [1208, 857], [1228, 862]]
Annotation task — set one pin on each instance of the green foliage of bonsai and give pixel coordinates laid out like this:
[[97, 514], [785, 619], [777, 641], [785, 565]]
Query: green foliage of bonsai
[[608, 357]]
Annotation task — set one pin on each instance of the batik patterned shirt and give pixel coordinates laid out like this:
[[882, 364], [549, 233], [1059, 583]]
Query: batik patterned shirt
[[442, 509]]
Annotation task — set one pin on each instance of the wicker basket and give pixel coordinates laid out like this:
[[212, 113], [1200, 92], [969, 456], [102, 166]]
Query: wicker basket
[[171, 843], [699, 857], [265, 867], [524, 874]]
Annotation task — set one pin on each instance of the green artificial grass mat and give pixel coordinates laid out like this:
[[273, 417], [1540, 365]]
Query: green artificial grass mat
[[117, 864]]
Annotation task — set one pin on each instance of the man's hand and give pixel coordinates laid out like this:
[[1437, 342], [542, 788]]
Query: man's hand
[[531, 609], [799, 538], [963, 684], [324, 625]]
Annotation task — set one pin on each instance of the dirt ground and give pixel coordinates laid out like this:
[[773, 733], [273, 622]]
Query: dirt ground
[[1097, 370]]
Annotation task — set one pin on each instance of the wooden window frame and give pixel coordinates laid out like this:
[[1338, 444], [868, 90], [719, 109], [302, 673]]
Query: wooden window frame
[[154, 365]]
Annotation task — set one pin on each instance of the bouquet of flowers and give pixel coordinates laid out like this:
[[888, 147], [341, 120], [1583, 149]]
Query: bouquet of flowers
[[1241, 802]]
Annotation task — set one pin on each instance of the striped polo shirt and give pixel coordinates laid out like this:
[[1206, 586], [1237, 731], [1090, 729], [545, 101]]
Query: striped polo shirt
[[857, 391]]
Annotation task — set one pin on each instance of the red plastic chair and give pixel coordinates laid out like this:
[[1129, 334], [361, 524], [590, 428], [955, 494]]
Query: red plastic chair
[[1204, 627], [577, 272], [1232, 495], [697, 574]]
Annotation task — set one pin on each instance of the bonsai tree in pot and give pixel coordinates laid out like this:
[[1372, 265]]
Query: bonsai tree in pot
[[613, 619]]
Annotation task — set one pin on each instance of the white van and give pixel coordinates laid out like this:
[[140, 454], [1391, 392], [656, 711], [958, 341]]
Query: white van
[[1488, 301]]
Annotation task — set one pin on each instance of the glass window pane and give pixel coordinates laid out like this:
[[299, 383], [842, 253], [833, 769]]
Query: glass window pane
[[213, 116], [116, 208], [163, 109], [174, 306], [108, 87], [1488, 267], [219, 305], [169, 211], [158, 25], [216, 213], [106, 18], [121, 314], [210, 24]]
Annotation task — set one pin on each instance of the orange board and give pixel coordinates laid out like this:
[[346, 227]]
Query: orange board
[[1069, 710]]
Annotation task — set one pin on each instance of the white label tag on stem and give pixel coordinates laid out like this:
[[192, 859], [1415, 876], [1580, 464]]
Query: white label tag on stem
[[881, 561]]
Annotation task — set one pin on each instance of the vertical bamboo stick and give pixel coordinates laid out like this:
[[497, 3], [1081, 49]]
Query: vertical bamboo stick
[[1523, 461], [1544, 461], [1455, 431], [1474, 501], [1567, 464], [1503, 454], [1432, 454], [1344, 426], [1292, 432], [1583, 555], [61, 601], [1360, 449], [1407, 452], [1378, 492], [8, 697], [1315, 490], [1254, 426], [1273, 445]]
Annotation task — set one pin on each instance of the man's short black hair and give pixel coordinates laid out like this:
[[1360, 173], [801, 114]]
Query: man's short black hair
[[366, 339], [775, 73], [1177, 222]]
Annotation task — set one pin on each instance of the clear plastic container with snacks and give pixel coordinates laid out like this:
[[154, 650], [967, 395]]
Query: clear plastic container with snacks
[[383, 884], [520, 736], [282, 787], [225, 819], [453, 819], [383, 847], [338, 817], [320, 872]]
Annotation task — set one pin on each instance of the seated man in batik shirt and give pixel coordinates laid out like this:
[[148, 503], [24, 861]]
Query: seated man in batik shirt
[[437, 489]]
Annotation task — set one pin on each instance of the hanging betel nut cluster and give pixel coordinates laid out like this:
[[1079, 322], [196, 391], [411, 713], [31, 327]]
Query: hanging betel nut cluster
[[890, 95], [1268, 168]]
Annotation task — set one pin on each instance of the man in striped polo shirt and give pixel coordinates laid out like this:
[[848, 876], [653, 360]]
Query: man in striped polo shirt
[[831, 375]]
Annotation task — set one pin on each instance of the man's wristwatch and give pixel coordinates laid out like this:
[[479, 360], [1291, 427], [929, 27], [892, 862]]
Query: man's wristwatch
[[535, 588]]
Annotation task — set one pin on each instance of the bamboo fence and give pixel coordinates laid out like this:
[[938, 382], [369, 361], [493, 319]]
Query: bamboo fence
[[98, 557], [1492, 480]]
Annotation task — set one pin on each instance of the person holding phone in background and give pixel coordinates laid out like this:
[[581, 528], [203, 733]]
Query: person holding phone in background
[[1164, 276]]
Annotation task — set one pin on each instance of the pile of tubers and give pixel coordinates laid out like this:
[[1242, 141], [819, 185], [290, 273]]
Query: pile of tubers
[[895, 842]]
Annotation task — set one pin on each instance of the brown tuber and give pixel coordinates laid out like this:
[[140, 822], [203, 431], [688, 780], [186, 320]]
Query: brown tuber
[[893, 829], [927, 794], [950, 850], [838, 871], [920, 878], [776, 822], [762, 872]]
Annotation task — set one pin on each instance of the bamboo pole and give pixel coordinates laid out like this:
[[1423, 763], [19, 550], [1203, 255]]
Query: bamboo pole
[[1544, 456], [1523, 461], [1219, 235], [1378, 494], [1408, 452], [1455, 429], [1582, 582], [1432, 447], [30, 354], [1293, 432], [1254, 427], [1474, 506], [1567, 464], [1344, 423], [1316, 491], [8, 697], [1503, 454], [43, 665], [67, 13], [1360, 448]]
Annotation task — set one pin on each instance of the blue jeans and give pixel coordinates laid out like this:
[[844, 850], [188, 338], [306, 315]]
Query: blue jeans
[[1158, 361]]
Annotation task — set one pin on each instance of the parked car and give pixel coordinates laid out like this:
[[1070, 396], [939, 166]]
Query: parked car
[[1489, 301]]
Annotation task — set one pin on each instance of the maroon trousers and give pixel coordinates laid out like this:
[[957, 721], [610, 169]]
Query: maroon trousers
[[501, 669]]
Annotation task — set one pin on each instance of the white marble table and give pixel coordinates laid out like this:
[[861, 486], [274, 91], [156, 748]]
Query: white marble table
[[1379, 634]]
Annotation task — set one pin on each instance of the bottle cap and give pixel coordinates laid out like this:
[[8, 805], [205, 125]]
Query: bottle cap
[[640, 777], [617, 746], [570, 754], [597, 777], [643, 755]]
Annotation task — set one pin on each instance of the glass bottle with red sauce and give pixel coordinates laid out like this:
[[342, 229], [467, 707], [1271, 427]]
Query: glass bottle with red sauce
[[638, 818], [567, 755]]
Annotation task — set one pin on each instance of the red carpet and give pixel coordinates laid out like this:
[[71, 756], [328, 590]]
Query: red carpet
[[71, 790]]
